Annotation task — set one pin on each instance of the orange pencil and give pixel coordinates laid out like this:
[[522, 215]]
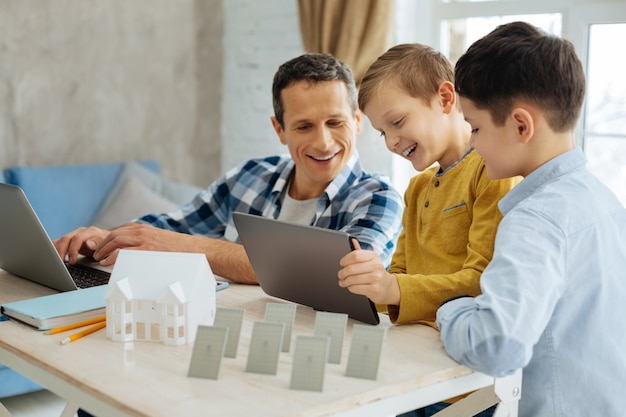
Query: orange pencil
[[85, 332], [76, 325]]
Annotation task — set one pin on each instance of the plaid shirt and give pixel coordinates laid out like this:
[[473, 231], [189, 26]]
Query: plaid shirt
[[364, 205]]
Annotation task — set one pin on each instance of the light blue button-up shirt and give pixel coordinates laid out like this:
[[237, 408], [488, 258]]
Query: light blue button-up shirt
[[554, 296]]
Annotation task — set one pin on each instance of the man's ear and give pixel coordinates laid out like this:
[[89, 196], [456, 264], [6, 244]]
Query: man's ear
[[358, 116], [523, 123], [447, 97], [279, 130]]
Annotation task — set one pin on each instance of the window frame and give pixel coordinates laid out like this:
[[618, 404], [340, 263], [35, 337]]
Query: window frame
[[421, 21]]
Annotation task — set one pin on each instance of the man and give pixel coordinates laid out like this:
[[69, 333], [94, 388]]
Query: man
[[322, 183]]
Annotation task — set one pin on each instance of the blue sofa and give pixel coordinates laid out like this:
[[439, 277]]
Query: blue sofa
[[107, 194]]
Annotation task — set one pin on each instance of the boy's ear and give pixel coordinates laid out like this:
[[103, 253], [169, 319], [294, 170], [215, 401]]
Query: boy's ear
[[447, 97], [524, 124]]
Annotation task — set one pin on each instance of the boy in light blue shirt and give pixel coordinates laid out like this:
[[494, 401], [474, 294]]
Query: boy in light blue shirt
[[553, 294]]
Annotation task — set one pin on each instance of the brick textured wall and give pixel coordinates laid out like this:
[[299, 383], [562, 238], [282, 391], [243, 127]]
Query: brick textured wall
[[187, 82]]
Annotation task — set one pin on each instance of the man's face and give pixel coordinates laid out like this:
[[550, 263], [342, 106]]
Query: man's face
[[320, 131]]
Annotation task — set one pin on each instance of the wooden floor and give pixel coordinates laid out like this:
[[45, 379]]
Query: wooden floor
[[36, 404]]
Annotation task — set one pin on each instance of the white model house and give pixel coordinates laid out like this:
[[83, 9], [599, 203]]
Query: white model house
[[159, 297]]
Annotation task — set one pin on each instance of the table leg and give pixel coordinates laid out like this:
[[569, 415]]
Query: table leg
[[4, 412], [69, 410], [509, 390], [505, 392]]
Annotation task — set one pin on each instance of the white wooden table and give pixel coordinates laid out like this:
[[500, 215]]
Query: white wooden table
[[150, 379]]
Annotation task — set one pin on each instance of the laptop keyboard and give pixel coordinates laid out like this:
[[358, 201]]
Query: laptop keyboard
[[86, 277]]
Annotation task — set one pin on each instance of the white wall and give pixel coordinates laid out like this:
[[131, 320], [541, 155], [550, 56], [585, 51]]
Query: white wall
[[186, 82], [84, 82]]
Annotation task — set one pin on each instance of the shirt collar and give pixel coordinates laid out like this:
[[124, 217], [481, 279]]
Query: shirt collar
[[350, 172], [285, 171], [440, 171], [556, 167]]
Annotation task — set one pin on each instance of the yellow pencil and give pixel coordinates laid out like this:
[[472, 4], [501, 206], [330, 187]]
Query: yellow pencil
[[85, 332], [76, 325]]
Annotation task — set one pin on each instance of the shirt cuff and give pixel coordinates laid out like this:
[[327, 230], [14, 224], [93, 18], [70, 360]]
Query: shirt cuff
[[456, 298]]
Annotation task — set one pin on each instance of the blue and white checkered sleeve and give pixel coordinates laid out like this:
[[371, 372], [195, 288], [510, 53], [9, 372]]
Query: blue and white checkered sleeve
[[375, 217]]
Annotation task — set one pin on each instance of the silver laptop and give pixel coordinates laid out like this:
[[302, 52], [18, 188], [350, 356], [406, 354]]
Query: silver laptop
[[300, 264], [27, 251]]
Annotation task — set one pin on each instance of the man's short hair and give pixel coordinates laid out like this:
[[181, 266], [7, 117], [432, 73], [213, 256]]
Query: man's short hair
[[312, 67], [519, 62]]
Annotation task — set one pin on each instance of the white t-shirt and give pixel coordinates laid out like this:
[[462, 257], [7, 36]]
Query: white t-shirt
[[297, 211]]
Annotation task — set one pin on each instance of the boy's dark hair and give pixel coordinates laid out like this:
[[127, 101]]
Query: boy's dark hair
[[518, 61], [312, 67], [417, 69]]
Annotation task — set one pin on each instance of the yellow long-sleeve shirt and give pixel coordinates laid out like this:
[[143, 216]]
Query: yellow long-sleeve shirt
[[449, 227]]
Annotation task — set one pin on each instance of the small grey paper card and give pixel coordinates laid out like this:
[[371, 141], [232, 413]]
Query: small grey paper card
[[207, 353], [284, 313], [267, 338], [231, 318], [334, 326], [365, 351], [309, 363]]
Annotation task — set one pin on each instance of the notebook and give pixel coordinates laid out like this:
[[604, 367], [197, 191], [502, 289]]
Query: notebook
[[26, 249], [59, 309], [300, 263]]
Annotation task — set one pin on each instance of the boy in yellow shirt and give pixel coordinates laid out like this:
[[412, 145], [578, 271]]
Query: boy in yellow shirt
[[451, 209]]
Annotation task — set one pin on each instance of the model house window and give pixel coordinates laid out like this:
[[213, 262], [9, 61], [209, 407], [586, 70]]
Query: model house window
[[597, 31]]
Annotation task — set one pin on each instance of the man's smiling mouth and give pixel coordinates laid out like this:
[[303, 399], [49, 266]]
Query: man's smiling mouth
[[323, 158], [409, 151]]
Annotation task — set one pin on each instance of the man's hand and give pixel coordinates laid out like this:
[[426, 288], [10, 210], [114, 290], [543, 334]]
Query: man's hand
[[103, 245], [227, 259], [363, 273], [140, 237], [84, 240]]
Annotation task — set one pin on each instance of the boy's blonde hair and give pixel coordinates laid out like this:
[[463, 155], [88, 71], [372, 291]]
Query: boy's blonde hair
[[418, 69]]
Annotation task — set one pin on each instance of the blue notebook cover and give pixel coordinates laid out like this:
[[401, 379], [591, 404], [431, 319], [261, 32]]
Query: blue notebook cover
[[59, 309]]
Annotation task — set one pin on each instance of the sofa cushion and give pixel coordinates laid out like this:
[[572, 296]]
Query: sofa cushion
[[132, 200], [140, 191], [174, 191], [67, 197]]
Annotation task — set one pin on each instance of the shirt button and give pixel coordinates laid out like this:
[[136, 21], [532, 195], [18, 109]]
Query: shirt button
[[426, 204], [437, 183]]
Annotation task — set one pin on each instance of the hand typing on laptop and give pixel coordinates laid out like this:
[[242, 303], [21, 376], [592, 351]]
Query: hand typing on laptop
[[103, 246], [321, 183]]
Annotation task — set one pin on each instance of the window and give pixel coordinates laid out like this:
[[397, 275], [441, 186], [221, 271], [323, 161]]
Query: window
[[458, 34], [596, 29], [604, 138]]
